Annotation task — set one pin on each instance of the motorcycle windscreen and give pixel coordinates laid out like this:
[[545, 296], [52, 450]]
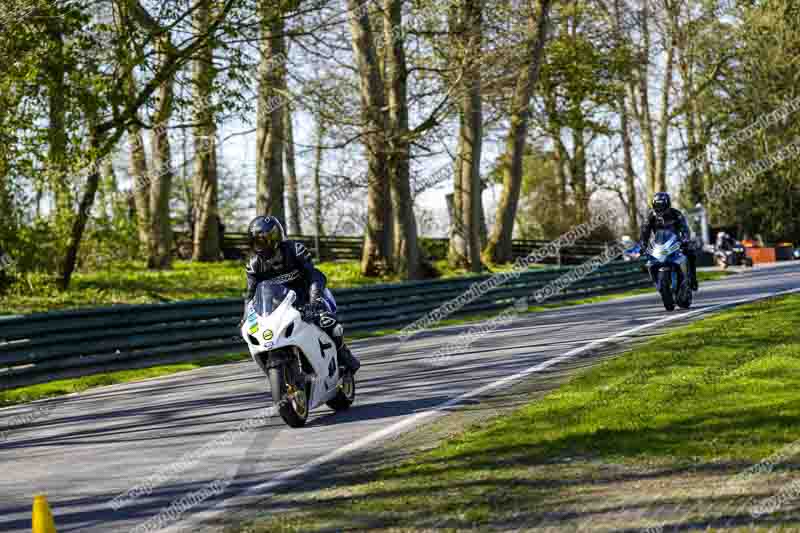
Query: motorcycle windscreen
[[268, 297], [664, 236]]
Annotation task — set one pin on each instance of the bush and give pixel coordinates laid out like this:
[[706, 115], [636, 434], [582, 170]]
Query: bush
[[108, 240], [433, 248]]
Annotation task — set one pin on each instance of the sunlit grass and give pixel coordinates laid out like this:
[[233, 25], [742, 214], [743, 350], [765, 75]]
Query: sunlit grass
[[722, 389]]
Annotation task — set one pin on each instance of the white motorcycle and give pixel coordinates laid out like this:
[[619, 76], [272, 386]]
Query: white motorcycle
[[299, 358]]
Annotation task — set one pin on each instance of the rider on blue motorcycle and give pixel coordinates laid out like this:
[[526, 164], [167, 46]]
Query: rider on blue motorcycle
[[276, 258], [664, 216]]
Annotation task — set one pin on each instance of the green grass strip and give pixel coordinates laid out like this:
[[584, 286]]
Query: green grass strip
[[723, 388]]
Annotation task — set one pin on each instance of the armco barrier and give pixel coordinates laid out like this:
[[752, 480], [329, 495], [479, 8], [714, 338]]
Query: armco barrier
[[45, 346]]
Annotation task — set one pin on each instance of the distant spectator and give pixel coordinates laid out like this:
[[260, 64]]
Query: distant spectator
[[724, 241]]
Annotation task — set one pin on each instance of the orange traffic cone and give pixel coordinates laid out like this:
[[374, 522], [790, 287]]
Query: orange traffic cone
[[42, 517]]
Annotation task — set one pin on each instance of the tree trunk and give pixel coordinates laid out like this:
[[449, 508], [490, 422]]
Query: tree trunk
[[707, 171], [206, 245], [643, 117], [630, 175], [141, 186], [294, 223], [663, 131], [87, 200], [483, 227], [694, 185], [57, 133], [499, 249], [78, 227], [563, 163], [560, 156], [319, 230], [457, 249], [108, 188], [580, 186], [160, 253], [271, 102], [376, 258], [695, 178], [469, 39], [406, 249], [7, 204]]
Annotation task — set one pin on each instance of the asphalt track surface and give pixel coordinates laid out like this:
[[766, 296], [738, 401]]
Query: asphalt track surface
[[85, 449]]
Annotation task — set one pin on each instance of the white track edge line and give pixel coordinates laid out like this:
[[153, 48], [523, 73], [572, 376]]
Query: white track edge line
[[397, 427]]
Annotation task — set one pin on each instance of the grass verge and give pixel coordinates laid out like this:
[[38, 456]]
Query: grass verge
[[69, 386], [648, 440]]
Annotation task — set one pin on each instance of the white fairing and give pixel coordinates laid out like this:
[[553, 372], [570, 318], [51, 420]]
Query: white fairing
[[660, 252], [306, 339]]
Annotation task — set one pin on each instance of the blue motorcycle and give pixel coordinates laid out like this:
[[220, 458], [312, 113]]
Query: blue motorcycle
[[668, 268]]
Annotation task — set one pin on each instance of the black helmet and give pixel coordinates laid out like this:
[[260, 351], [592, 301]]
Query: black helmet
[[265, 234], [661, 203]]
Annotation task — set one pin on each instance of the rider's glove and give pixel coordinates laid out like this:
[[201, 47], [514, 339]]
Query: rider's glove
[[311, 310], [318, 305], [314, 293]]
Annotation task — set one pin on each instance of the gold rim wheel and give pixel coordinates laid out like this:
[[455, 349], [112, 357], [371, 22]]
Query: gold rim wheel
[[299, 403]]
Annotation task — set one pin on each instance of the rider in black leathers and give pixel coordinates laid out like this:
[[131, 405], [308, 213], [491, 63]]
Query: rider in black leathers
[[664, 216], [276, 258]]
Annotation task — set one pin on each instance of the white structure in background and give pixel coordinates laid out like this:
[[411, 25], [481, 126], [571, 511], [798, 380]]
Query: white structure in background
[[698, 224]]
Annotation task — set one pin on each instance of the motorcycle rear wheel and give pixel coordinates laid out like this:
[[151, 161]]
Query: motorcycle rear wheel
[[665, 288], [346, 394], [685, 295]]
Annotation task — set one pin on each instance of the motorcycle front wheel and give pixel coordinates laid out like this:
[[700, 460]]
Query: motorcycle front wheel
[[291, 399], [665, 288]]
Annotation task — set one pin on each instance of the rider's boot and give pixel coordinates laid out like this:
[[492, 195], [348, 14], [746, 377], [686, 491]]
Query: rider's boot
[[347, 360], [693, 270], [345, 357]]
